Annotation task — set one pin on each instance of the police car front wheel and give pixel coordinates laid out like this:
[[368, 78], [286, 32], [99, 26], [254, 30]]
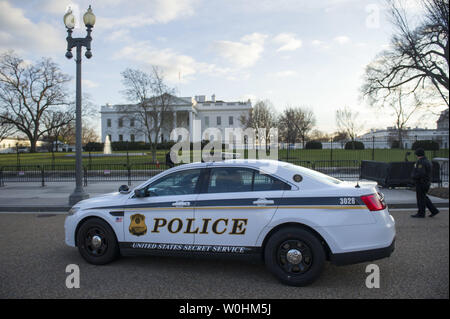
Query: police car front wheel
[[97, 242], [295, 256]]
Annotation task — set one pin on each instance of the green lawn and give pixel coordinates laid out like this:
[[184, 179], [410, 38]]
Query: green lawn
[[384, 155], [62, 158], [381, 155]]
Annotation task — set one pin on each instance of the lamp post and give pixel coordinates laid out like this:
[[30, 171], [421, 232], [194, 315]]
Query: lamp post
[[69, 20]]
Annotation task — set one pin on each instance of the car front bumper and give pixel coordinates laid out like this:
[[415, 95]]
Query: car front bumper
[[69, 229]]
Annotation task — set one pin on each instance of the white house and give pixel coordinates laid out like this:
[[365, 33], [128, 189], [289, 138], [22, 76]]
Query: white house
[[120, 122], [384, 138]]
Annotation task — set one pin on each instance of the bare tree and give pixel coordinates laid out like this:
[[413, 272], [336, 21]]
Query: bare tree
[[348, 122], [6, 130], [57, 122], [404, 106], [419, 57], [340, 137], [153, 100], [296, 123], [61, 123], [319, 136], [28, 92], [67, 133], [88, 133], [261, 116]]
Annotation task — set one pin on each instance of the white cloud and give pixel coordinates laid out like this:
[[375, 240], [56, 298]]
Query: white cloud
[[21, 34], [287, 73], [89, 84], [249, 96], [118, 35], [320, 44], [56, 7], [244, 53], [177, 67], [342, 39], [287, 5], [145, 12], [288, 42]]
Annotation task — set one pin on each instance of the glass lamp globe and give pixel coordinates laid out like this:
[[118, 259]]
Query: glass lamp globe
[[69, 19], [89, 18]]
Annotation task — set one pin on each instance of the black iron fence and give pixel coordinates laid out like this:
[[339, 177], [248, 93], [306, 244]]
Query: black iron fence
[[91, 173], [342, 169]]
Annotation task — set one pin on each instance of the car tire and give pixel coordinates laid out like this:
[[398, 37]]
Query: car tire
[[295, 256], [97, 242]]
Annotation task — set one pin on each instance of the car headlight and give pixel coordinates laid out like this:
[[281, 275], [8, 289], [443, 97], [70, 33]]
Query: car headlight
[[73, 210]]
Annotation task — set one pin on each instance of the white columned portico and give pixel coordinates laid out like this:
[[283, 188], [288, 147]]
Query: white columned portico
[[174, 120], [191, 125]]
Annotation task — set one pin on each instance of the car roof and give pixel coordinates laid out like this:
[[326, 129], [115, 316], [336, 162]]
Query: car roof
[[281, 169], [234, 162]]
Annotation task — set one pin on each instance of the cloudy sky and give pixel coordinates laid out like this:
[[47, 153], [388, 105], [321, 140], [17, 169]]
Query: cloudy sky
[[292, 52]]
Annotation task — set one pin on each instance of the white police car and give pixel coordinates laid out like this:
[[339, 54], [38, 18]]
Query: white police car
[[296, 218]]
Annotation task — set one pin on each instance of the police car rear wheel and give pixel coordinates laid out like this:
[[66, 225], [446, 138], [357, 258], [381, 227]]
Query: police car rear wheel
[[97, 242], [295, 256]]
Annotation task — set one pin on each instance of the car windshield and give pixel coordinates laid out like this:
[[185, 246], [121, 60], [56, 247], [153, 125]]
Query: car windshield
[[177, 183], [314, 174]]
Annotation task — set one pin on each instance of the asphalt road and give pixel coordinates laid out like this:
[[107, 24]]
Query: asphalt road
[[34, 257]]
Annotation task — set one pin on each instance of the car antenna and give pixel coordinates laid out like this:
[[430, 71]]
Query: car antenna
[[357, 182]]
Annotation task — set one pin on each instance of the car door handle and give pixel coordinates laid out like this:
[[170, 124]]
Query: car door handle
[[263, 202], [181, 204]]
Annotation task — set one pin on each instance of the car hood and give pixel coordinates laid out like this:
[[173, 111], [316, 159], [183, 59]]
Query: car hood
[[110, 199]]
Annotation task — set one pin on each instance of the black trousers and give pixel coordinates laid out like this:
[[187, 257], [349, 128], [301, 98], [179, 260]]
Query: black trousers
[[422, 199]]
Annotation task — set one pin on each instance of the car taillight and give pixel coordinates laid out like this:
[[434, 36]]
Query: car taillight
[[374, 202]]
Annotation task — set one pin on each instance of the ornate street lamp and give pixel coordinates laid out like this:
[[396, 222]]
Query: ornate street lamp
[[69, 20]]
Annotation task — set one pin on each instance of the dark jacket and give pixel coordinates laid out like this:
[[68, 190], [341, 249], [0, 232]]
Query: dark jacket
[[421, 173], [169, 161]]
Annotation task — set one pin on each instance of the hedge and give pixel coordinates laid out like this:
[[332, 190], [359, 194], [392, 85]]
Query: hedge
[[354, 145], [427, 145], [313, 145]]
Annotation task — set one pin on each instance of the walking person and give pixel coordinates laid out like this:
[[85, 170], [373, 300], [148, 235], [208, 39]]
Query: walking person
[[169, 156], [421, 176]]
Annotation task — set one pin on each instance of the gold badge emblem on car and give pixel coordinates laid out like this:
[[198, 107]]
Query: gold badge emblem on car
[[137, 225]]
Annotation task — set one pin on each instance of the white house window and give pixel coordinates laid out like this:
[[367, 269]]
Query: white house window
[[219, 120], [230, 120], [121, 138], [132, 123], [108, 122], [207, 120], [120, 122], [132, 137]]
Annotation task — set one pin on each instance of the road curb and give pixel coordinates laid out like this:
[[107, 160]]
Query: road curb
[[34, 209]]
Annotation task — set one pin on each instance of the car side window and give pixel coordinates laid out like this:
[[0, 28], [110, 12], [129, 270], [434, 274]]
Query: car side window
[[230, 179], [177, 183], [235, 179]]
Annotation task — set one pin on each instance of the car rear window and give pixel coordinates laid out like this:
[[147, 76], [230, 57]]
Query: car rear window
[[314, 174]]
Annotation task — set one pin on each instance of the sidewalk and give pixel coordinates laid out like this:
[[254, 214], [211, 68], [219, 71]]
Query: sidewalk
[[54, 197]]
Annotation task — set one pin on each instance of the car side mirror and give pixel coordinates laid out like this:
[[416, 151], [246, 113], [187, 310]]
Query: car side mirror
[[141, 192], [123, 189], [138, 193]]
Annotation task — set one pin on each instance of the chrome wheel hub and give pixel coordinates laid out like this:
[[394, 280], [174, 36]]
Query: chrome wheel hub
[[294, 256], [96, 241]]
